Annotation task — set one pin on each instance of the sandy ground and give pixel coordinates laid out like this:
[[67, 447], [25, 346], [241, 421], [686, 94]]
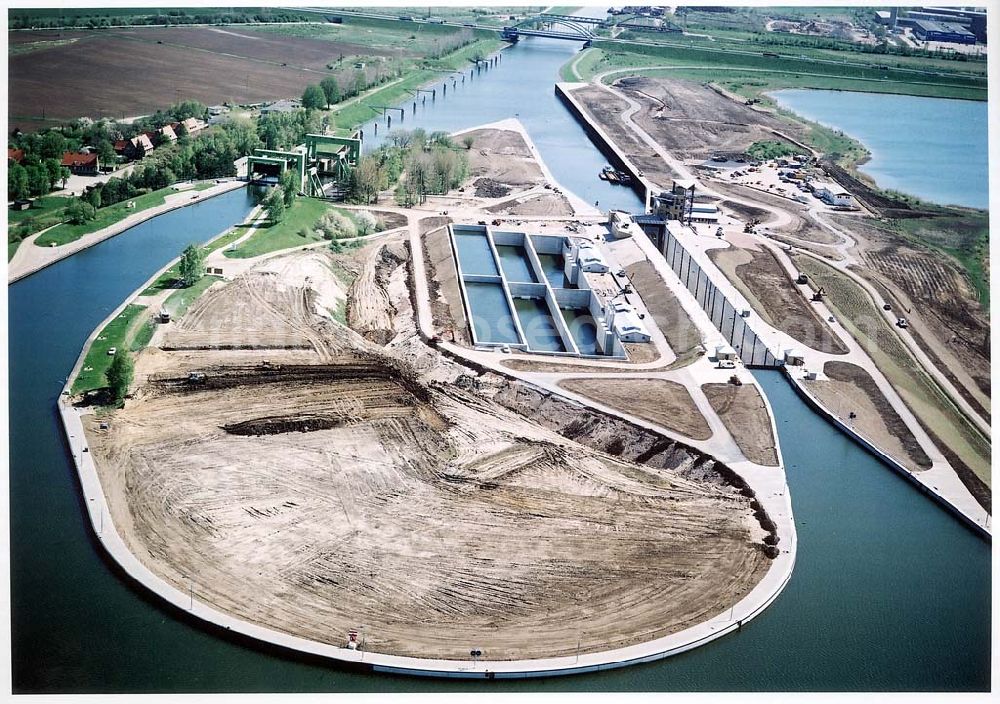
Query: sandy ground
[[665, 403], [850, 389], [334, 487], [693, 121], [758, 275], [502, 156], [681, 333], [605, 109], [547, 204], [449, 311], [745, 416]]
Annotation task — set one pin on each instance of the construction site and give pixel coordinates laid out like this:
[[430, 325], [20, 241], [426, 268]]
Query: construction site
[[374, 488], [823, 268]]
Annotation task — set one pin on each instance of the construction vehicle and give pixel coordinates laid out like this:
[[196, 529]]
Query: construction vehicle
[[901, 323], [802, 278], [818, 296]]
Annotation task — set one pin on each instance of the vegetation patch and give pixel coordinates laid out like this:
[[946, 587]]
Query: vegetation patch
[[117, 334]]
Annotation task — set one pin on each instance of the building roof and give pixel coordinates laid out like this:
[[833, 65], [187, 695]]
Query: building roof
[[589, 254], [626, 321], [142, 141], [193, 124], [16, 155], [77, 159], [282, 106]]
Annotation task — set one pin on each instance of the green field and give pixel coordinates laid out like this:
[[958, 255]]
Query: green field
[[287, 234], [117, 333], [67, 232], [750, 71], [352, 113]]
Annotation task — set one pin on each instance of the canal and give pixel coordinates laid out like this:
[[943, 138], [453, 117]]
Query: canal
[[889, 592]]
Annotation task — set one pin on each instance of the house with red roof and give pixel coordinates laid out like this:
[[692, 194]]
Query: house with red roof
[[15, 155], [81, 164]]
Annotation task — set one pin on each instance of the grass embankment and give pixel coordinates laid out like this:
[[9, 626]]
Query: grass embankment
[[358, 111], [745, 70], [180, 300], [119, 332], [106, 217], [44, 212], [295, 230], [929, 403]]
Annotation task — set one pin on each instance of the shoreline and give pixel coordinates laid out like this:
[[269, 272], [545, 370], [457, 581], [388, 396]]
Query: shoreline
[[769, 484], [16, 270], [854, 165]]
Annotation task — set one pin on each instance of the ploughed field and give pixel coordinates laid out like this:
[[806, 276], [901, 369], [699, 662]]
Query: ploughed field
[[129, 72], [329, 486]]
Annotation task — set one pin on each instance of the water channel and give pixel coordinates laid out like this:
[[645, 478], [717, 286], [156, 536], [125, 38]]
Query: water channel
[[889, 592]]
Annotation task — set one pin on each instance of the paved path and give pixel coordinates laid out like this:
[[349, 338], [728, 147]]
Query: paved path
[[941, 478]]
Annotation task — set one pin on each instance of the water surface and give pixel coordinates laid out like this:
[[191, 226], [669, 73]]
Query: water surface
[[934, 148]]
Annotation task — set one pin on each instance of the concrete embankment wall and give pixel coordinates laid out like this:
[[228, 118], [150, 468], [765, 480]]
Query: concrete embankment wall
[[913, 477], [608, 148]]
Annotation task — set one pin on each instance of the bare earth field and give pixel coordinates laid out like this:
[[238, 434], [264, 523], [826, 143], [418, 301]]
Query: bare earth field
[[547, 204], [692, 121], [502, 156], [681, 333], [745, 416], [761, 278], [606, 109], [446, 304], [123, 73], [332, 487], [851, 389], [659, 401]]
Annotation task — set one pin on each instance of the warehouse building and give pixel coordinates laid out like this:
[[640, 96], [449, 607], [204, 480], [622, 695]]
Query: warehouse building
[[928, 31]]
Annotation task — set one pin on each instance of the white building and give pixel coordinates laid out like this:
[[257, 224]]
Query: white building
[[626, 323], [831, 193], [590, 258], [622, 225]]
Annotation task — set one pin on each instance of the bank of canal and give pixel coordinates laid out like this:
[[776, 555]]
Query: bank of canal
[[889, 592]]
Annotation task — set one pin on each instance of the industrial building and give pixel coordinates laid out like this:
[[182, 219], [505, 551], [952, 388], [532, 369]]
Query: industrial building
[[323, 160], [831, 194], [929, 31], [543, 294]]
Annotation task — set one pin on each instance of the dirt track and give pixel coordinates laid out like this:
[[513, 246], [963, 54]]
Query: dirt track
[[333, 488]]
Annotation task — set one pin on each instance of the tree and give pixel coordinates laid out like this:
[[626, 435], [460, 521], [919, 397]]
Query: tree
[[120, 374], [93, 197], [289, 187], [331, 90], [79, 211], [468, 141], [365, 222], [192, 265], [17, 182], [64, 174], [274, 205], [313, 97], [106, 152], [52, 146], [367, 179]]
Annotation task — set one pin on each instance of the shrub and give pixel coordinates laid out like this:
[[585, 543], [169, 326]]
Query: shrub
[[366, 222], [334, 226]]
